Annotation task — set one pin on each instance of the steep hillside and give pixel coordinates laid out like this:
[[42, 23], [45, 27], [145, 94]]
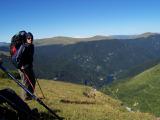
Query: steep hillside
[[141, 92], [94, 60], [6, 59], [77, 102]]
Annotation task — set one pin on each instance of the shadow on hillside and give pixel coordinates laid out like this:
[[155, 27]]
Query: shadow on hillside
[[47, 116], [10, 114]]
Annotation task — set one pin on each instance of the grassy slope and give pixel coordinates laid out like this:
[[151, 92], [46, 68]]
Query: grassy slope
[[141, 92], [104, 107]]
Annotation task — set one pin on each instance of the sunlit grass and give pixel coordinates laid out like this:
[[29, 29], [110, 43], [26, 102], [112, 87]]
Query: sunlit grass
[[82, 107]]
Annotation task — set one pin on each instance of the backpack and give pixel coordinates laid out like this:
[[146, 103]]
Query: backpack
[[16, 41]]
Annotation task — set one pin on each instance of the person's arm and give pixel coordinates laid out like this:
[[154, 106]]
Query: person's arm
[[19, 56]]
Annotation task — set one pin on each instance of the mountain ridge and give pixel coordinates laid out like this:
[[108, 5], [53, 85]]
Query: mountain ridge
[[72, 40]]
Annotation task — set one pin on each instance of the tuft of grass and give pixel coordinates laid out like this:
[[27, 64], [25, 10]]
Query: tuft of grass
[[104, 107]]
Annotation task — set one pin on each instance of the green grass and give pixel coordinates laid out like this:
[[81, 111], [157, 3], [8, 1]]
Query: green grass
[[97, 106], [141, 93]]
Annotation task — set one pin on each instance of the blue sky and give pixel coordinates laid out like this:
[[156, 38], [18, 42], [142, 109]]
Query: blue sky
[[78, 18]]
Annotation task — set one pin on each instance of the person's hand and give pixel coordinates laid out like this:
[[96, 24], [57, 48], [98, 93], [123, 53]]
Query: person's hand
[[1, 61]]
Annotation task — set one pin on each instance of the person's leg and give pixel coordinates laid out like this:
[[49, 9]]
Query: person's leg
[[25, 83], [30, 78]]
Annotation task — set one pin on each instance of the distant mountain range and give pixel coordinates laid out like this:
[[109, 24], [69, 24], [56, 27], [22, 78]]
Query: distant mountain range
[[147, 34], [70, 40], [95, 59], [4, 44]]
